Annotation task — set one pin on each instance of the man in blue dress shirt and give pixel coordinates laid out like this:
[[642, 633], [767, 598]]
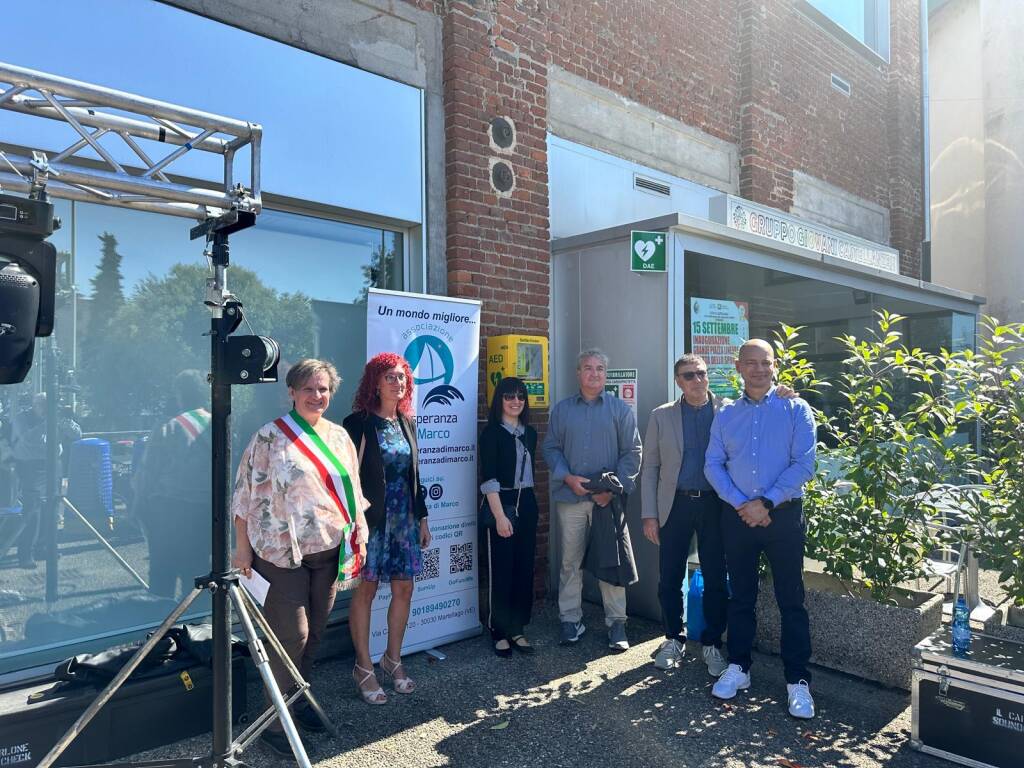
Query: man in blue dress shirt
[[760, 455], [589, 432]]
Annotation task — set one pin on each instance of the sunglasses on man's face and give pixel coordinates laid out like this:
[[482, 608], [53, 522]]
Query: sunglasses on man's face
[[691, 375], [510, 396]]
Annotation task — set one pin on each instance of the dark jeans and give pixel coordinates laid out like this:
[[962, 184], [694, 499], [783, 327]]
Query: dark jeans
[[32, 481], [783, 545], [511, 569], [297, 606], [178, 543], [688, 515]]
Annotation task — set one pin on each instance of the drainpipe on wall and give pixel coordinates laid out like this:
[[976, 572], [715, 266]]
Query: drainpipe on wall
[[926, 174]]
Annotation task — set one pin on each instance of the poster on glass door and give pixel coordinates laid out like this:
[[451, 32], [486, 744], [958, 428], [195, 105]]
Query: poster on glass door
[[717, 329], [440, 338]]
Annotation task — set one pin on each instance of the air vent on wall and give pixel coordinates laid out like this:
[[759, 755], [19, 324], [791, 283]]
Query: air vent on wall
[[840, 85], [650, 185]]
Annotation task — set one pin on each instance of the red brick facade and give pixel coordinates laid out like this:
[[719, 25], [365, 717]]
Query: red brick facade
[[755, 73]]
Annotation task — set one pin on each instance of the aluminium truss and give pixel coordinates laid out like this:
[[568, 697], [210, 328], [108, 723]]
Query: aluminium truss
[[100, 117]]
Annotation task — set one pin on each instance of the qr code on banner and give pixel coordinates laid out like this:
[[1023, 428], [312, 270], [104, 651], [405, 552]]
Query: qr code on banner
[[461, 557], [431, 565]]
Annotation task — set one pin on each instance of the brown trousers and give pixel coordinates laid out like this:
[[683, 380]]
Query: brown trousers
[[297, 606]]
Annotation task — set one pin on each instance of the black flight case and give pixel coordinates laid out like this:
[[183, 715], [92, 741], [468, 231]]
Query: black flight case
[[969, 709], [143, 714]]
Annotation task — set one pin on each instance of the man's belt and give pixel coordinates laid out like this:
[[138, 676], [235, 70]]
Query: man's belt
[[694, 494]]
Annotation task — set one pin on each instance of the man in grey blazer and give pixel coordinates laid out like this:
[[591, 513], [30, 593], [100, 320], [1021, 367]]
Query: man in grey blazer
[[677, 500]]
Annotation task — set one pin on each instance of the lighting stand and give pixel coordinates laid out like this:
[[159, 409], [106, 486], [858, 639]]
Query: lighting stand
[[93, 112], [232, 360]]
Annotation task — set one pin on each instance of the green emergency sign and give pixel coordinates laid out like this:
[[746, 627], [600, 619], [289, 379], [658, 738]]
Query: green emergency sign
[[647, 251]]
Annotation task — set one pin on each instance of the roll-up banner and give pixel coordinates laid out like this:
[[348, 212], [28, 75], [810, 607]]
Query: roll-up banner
[[440, 337]]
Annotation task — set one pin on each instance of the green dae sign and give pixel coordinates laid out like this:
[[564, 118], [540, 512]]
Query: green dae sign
[[647, 251]]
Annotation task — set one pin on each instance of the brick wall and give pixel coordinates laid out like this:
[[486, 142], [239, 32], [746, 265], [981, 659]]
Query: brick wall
[[496, 66], [752, 72]]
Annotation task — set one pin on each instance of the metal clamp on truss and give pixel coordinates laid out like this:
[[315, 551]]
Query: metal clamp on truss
[[102, 123]]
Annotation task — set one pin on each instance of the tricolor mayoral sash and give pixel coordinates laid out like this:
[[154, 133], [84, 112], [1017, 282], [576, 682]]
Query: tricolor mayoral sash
[[194, 422], [337, 482]]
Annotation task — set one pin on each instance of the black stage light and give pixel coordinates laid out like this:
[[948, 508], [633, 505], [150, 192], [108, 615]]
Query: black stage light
[[28, 266]]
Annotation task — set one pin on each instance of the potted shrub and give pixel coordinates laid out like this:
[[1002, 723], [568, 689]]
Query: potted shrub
[[990, 383]]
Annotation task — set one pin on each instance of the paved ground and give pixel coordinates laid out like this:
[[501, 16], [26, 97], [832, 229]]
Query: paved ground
[[582, 707]]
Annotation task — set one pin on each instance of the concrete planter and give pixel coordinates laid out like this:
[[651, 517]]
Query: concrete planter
[[1015, 616], [855, 634]]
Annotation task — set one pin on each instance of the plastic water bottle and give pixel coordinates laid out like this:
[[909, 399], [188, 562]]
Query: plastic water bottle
[[961, 627]]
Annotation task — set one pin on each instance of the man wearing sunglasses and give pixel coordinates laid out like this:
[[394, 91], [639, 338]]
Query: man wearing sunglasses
[[760, 455], [678, 501]]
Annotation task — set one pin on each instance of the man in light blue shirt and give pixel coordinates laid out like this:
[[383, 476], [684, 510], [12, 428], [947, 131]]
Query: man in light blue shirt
[[589, 432], [760, 455]]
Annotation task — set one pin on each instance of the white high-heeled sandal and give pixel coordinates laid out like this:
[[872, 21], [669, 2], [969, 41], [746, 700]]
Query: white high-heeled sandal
[[403, 684], [377, 696]]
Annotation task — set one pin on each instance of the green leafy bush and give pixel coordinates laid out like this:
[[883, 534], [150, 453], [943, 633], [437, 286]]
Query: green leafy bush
[[871, 503]]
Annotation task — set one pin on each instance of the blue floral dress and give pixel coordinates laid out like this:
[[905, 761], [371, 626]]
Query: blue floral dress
[[393, 551]]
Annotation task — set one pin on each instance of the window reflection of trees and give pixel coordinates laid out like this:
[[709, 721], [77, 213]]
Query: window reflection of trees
[[131, 342]]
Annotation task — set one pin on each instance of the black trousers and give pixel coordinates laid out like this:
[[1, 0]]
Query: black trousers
[[178, 539], [32, 481], [691, 515], [783, 545], [511, 569]]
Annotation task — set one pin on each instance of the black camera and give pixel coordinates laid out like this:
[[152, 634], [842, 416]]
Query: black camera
[[28, 273]]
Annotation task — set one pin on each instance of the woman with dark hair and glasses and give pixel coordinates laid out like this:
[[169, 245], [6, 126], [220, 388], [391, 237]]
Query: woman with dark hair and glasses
[[507, 446]]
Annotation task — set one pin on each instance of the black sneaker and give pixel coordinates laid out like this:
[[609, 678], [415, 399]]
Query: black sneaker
[[277, 742], [308, 720]]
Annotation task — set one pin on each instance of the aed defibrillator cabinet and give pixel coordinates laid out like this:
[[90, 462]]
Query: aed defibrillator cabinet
[[526, 358]]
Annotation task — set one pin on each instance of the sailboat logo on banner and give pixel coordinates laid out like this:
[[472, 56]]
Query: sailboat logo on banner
[[433, 364]]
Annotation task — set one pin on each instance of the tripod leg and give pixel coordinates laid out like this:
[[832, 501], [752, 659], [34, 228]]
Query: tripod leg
[[271, 638], [262, 661], [107, 693]]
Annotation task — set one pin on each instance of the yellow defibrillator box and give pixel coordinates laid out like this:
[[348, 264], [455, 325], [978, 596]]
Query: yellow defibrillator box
[[526, 358]]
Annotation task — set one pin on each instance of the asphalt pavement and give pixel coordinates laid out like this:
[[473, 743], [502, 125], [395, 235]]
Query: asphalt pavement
[[584, 706]]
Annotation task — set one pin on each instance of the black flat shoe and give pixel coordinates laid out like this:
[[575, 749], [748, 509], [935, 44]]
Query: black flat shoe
[[277, 742], [503, 652], [522, 645], [308, 720]]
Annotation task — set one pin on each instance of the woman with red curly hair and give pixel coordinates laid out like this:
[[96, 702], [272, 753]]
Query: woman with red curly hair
[[381, 425]]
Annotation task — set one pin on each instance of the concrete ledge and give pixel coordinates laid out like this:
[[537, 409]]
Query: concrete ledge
[[581, 111], [855, 634]]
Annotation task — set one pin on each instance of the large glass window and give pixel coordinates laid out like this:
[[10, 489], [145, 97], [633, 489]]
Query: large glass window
[[763, 298], [133, 526], [866, 21]]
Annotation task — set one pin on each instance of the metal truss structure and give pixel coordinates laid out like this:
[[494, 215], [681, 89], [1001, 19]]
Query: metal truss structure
[[96, 115]]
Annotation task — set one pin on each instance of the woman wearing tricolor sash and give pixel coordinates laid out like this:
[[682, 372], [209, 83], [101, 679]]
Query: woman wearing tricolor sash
[[382, 427], [299, 515]]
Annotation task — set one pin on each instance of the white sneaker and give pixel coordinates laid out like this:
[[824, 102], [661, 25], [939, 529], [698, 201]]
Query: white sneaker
[[801, 703], [732, 680], [715, 660], [669, 655]]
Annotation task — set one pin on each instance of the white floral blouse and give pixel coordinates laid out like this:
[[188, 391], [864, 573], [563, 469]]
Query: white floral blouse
[[286, 507]]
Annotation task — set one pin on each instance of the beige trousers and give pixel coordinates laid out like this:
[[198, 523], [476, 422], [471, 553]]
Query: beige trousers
[[573, 531]]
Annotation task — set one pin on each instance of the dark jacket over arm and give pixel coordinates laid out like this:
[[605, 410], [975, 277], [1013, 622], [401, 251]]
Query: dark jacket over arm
[[359, 426]]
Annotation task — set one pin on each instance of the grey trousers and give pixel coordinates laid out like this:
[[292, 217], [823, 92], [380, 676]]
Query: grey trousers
[[573, 531]]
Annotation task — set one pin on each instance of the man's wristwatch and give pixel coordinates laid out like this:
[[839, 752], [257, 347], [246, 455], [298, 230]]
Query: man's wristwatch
[[768, 503]]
